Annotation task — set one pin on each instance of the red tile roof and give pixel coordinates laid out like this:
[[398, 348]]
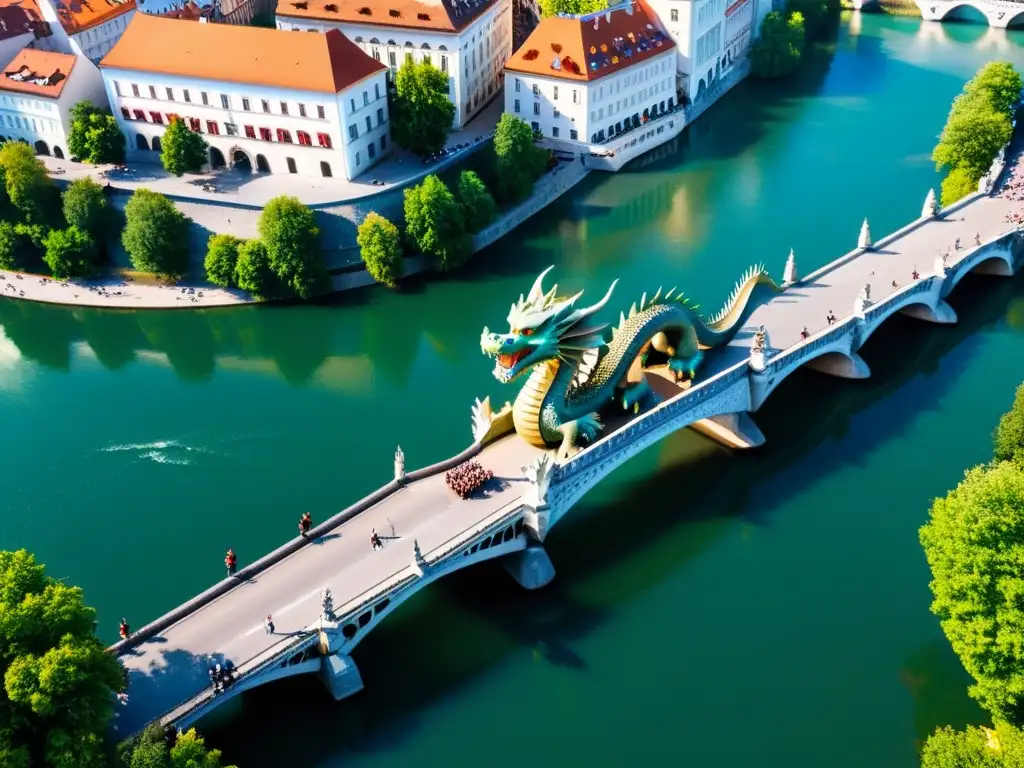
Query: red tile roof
[[327, 63], [590, 47], [18, 17], [435, 15], [40, 73], [79, 15]]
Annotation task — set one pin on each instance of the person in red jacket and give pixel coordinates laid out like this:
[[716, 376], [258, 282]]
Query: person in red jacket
[[124, 630], [231, 562]]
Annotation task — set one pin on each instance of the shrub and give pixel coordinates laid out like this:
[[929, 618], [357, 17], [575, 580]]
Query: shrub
[[380, 247], [252, 271], [434, 223], [478, 207], [85, 207], [182, 150], [221, 259], [155, 234], [518, 162], [289, 232], [95, 136], [70, 252]]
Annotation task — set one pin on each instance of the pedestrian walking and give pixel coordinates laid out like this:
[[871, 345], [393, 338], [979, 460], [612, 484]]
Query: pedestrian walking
[[231, 561], [124, 630], [305, 523], [269, 624]]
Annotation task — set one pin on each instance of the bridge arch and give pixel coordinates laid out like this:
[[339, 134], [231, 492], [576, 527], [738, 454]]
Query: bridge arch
[[994, 259], [955, 11]]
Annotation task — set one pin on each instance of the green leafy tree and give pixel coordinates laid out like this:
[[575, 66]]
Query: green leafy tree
[[30, 190], [190, 751], [422, 110], [519, 163], [478, 207], [1002, 747], [777, 51], [972, 542], [8, 246], [85, 207], [819, 16], [998, 81], [435, 224], [149, 750], [70, 252], [289, 232], [1009, 436], [573, 7], [155, 234], [95, 136], [380, 246], [958, 184], [182, 150], [58, 679], [221, 259], [252, 270], [973, 135]]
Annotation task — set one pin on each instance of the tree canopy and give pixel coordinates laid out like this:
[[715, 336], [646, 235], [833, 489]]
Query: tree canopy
[[150, 750], [778, 48], [252, 269], [573, 7], [288, 230], [422, 110], [29, 189], [95, 136], [818, 15], [85, 207], [973, 542], [998, 81], [380, 247], [69, 252], [182, 150], [155, 234], [1001, 747], [59, 680], [478, 207], [519, 163], [435, 224], [1009, 435], [221, 259]]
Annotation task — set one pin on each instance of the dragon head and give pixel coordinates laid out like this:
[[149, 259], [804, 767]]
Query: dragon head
[[543, 326]]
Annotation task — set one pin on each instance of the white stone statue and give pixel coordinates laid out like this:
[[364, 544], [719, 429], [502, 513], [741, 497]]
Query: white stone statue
[[399, 464], [863, 301], [931, 206], [940, 265], [789, 276], [985, 184], [539, 475], [327, 604], [417, 555], [864, 241], [760, 350], [483, 415]]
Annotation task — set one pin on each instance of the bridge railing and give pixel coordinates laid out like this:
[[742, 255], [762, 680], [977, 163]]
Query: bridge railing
[[808, 346], [956, 270], [881, 308]]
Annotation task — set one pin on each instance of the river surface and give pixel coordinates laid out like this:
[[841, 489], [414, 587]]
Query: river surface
[[767, 609]]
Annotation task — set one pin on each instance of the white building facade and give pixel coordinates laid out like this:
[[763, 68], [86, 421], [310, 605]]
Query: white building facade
[[471, 48], [80, 29], [274, 128], [595, 103], [38, 90]]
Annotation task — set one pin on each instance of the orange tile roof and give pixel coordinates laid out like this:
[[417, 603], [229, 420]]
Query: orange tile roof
[[39, 73], [590, 47], [434, 15], [327, 63], [18, 17], [189, 10], [79, 15]]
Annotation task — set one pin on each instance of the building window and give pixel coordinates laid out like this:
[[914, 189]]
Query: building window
[[284, 107], [283, 135], [265, 134], [391, 60], [188, 98], [266, 106], [320, 113], [383, 143], [124, 113], [302, 110], [225, 103], [352, 103], [359, 159], [353, 132], [376, 53], [195, 125], [555, 94], [366, 98], [140, 115], [376, 90], [135, 90], [250, 132], [536, 107], [515, 106], [517, 85], [304, 139], [156, 117], [212, 128], [554, 131], [674, 15], [231, 129], [117, 89], [152, 92], [369, 124], [324, 140], [325, 168], [536, 126], [573, 134], [170, 94], [245, 104], [575, 96], [291, 165], [205, 97], [536, 90], [557, 113], [371, 150], [444, 63]]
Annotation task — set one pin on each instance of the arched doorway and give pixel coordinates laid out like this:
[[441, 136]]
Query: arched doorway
[[156, 144], [58, 152], [217, 158], [241, 161], [701, 89], [141, 143], [262, 164], [41, 148]]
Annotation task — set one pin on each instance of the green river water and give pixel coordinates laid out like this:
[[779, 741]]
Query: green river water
[[711, 609]]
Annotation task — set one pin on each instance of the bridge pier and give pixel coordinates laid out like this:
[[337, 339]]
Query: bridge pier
[[941, 313], [341, 676], [851, 366], [733, 430], [531, 567]]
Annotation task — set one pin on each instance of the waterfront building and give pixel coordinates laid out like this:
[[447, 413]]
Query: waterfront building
[[469, 40], [590, 78], [83, 29], [264, 99], [712, 38], [38, 89], [20, 24]]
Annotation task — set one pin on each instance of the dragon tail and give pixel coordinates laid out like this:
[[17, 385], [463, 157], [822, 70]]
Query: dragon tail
[[723, 326]]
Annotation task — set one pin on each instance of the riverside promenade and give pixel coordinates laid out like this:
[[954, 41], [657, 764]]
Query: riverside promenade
[[428, 532]]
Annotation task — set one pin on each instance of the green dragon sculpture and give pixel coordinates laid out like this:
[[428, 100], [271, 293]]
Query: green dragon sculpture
[[576, 372]]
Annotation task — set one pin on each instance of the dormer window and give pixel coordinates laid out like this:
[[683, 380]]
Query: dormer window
[[365, 11], [331, 8], [423, 16], [395, 14]]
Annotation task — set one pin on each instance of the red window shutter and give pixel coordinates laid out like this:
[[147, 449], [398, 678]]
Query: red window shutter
[[265, 134], [250, 132], [195, 125], [140, 115], [284, 135], [304, 139], [324, 139], [156, 117], [212, 128]]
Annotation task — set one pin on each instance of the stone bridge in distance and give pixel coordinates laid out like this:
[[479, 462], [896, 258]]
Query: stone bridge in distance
[[998, 13], [430, 533]]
